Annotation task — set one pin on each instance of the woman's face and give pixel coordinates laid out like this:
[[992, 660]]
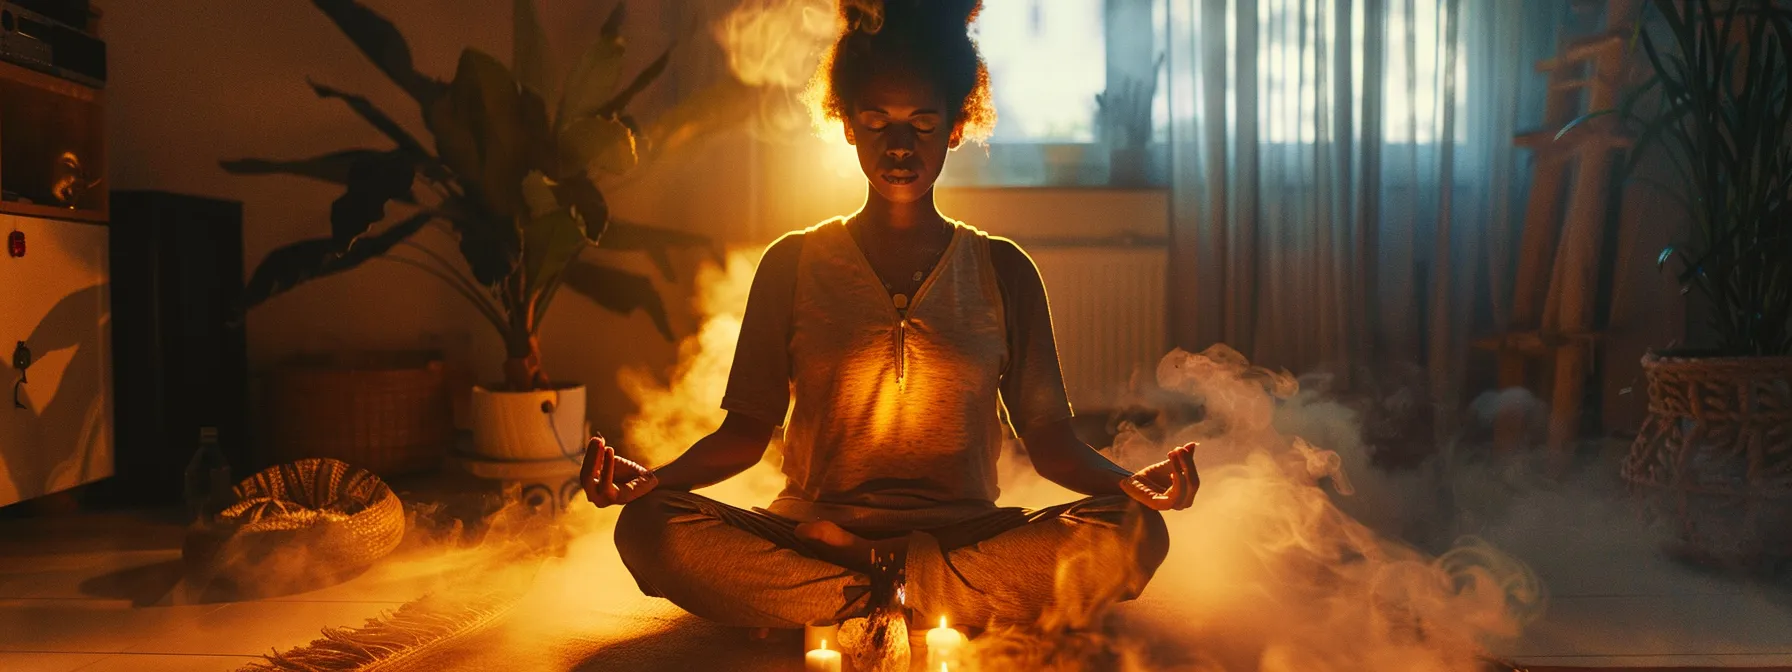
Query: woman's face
[[902, 130]]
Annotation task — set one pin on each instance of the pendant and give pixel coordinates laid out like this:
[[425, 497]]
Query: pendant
[[901, 301], [919, 275]]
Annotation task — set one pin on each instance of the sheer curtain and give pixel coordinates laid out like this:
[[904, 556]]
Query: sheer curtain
[[1344, 183]]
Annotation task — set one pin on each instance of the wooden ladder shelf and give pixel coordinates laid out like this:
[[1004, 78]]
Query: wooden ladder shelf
[[1553, 322]]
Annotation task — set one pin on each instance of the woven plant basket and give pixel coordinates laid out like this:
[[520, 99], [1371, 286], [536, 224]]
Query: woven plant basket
[[1714, 457], [295, 527], [388, 413]]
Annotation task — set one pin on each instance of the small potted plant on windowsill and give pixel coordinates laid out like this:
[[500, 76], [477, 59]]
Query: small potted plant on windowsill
[[1123, 121], [1715, 454], [514, 181]]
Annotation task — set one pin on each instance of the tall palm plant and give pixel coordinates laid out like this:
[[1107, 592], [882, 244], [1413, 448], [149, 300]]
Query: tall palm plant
[[513, 179], [1718, 105]]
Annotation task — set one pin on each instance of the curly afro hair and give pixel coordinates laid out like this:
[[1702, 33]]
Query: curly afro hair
[[929, 37]]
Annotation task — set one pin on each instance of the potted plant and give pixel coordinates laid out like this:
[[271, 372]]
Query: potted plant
[[1123, 124], [1715, 454], [514, 180]]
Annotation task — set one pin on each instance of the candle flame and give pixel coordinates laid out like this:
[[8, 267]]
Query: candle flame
[[942, 620], [824, 645]]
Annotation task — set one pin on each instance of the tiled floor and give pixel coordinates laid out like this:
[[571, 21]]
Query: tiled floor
[[99, 597], [1615, 600]]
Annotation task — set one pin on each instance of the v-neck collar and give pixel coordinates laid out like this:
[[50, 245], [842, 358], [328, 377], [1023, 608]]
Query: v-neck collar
[[869, 272]]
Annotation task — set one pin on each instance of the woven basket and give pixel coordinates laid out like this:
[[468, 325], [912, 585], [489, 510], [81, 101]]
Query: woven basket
[[1714, 456], [297, 526], [389, 413]]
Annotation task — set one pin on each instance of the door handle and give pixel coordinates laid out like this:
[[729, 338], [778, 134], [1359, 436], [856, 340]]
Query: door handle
[[21, 360]]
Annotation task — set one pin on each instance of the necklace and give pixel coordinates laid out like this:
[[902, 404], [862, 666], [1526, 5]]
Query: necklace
[[901, 300]]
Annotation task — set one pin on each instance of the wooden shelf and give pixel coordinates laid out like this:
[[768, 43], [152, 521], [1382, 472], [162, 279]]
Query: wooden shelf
[[52, 84], [51, 212], [43, 121]]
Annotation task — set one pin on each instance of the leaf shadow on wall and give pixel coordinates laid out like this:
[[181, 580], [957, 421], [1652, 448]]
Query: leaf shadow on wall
[[68, 427]]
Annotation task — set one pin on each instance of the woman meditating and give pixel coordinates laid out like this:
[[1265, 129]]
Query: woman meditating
[[886, 343]]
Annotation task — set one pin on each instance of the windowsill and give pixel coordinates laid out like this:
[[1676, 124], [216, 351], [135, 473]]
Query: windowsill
[[1058, 165]]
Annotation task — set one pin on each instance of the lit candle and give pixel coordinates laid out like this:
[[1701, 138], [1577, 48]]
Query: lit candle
[[822, 660], [943, 645]]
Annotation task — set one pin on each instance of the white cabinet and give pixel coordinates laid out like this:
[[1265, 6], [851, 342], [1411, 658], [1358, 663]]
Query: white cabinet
[[55, 300]]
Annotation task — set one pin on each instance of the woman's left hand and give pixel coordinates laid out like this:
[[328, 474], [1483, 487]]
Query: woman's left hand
[[1169, 485]]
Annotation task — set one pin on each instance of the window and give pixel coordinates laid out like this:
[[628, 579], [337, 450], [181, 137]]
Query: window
[[1049, 59], [1047, 62]]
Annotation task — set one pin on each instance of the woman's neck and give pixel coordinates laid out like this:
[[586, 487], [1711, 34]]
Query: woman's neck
[[915, 218]]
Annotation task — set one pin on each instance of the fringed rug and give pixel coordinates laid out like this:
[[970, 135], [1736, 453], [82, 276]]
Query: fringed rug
[[391, 642], [436, 634]]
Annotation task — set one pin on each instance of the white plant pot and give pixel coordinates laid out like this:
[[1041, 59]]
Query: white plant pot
[[529, 426]]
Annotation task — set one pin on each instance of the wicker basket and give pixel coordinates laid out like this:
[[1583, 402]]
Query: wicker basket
[[388, 413], [1714, 457], [295, 527]]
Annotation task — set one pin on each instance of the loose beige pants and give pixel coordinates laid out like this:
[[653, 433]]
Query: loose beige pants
[[1008, 566]]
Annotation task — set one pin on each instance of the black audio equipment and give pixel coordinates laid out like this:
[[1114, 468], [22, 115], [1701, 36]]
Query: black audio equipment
[[75, 13], [42, 42]]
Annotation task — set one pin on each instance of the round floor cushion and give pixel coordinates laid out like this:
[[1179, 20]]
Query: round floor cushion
[[295, 527]]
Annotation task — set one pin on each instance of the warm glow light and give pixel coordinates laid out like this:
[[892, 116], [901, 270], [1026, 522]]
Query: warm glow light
[[943, 645], [822, 660]]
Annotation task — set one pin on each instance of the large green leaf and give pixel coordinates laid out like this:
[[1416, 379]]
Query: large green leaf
[[538, 195], [529, 48], [587, 202], [480, 134], [541, 145], [332, 167], [596, 143], [490, 242], [619, 291], [372, 181], [592, 79], [381, 42], [492, 248], [292, 265], [549, 242]]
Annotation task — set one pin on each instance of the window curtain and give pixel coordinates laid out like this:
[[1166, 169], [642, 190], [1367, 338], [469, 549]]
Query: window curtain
[[1344, 187]]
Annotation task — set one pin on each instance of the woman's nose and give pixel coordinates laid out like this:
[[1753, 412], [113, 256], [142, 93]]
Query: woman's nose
[[900, 153]]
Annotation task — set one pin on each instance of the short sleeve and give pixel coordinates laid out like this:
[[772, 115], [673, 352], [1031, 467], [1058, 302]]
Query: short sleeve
[[759, 379], [1033, 384]]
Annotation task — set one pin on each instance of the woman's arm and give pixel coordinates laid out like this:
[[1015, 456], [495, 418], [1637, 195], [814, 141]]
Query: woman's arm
[[735, 447], [1062, 458]]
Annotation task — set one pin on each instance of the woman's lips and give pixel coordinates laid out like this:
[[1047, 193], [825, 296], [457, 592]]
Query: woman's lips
[[900, 177]]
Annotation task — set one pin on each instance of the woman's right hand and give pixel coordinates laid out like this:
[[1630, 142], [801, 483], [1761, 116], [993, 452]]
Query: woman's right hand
[[611, 480]]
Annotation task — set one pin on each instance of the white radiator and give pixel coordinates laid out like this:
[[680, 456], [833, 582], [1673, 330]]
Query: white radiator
[[1108, 314]]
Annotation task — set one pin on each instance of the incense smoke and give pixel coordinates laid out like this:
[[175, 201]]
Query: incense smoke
[[1266, 572]]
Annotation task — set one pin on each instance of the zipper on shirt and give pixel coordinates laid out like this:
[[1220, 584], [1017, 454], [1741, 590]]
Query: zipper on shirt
[[902, 350]]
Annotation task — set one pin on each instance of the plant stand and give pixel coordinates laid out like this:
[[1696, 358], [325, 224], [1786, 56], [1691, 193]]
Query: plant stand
[[1714, 456], [542, 487]]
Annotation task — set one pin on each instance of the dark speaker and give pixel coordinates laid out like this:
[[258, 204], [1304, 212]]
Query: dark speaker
[[179, 349]]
